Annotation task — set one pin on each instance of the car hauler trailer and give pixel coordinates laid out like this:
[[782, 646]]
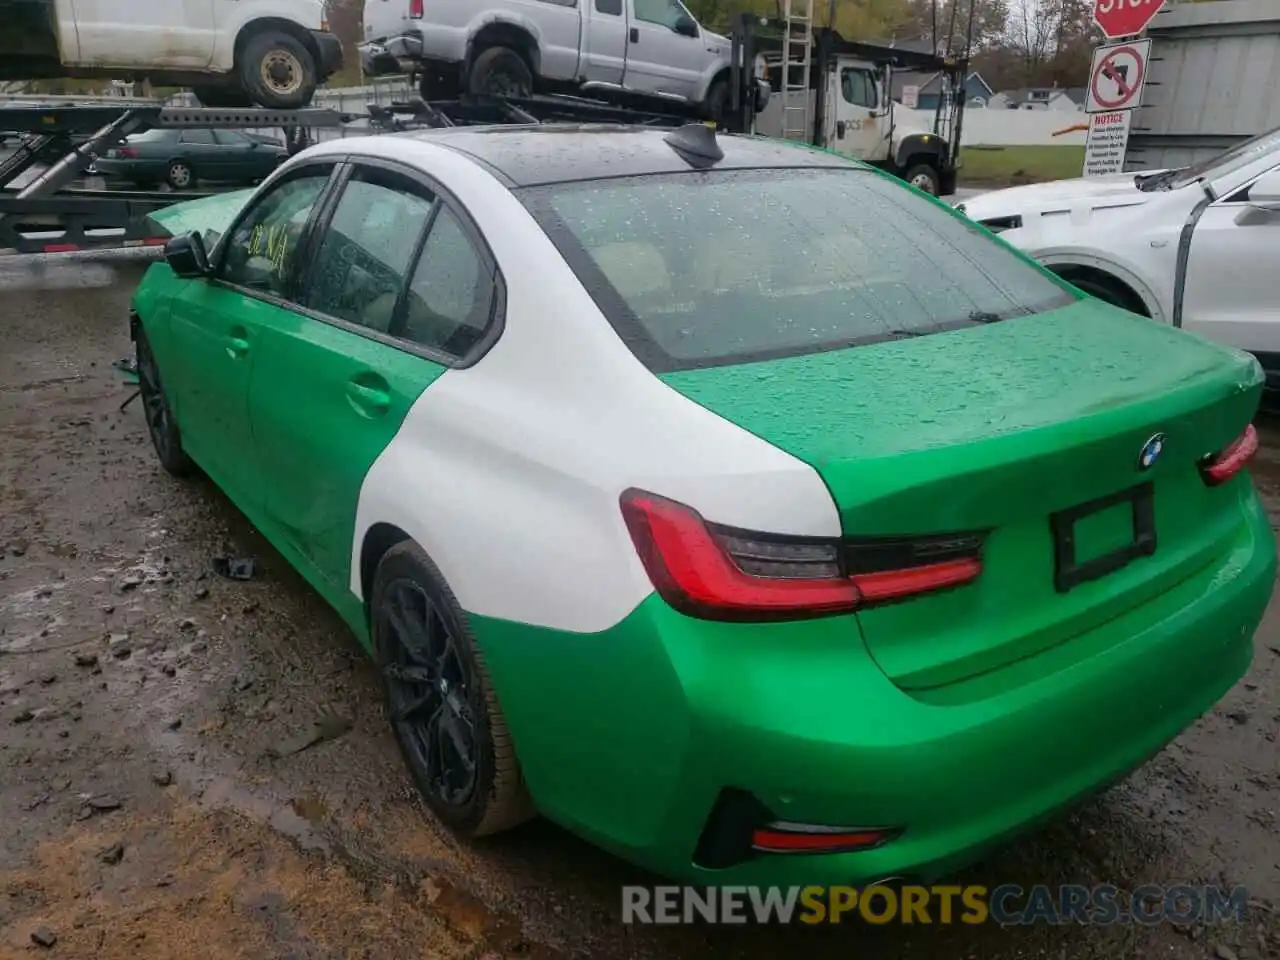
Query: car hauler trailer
[[816, 74], [60, 139]]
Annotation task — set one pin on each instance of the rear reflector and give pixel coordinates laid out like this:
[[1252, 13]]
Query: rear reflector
[[719, 573], [803, 838], [1218, 469]]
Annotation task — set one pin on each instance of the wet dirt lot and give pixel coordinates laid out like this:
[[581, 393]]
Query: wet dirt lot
[[145, 810]]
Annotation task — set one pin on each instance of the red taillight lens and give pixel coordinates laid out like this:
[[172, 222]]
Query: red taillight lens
[[801, 838], [720, 574], [128, 153], [416, 9], [1219, 469]]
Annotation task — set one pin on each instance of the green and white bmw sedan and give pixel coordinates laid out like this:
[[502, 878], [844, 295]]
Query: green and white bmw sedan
[[727, 502]]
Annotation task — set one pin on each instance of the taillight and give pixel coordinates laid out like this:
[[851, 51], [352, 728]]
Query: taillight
[[718, 573], [416, 9], [1218, 469], [128, 153]]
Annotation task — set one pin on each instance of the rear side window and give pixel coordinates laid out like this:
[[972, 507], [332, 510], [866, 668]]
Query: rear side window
[[450, 301], [704, 269]]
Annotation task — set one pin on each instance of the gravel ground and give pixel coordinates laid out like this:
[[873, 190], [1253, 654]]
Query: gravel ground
[[145, 812]]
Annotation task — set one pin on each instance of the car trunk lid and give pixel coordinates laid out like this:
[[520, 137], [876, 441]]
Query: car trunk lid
[[1006, 430]]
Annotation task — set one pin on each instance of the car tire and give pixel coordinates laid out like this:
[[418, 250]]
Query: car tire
[[223, 98], [161, 424], [180, 175], [434, 676], [278, 71], [500, 72]]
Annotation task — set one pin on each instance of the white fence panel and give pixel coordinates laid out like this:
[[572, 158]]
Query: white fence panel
[[1012, 128]]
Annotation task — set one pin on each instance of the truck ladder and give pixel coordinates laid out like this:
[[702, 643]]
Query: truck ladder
[[797, 56]]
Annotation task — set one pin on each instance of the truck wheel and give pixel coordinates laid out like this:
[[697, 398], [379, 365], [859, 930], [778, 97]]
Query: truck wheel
[[500, 72], [180, 175], [924, 177], [716, 106], [223, 98], [278, 71]]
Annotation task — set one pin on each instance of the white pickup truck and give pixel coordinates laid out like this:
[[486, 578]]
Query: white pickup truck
[[233, 52], [646, 48]]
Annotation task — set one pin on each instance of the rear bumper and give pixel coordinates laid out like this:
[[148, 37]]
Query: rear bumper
[[391, 55], [664, 713], [330, 48]]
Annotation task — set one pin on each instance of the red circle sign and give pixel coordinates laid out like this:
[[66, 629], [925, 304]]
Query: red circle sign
[[1126, 85], [1125, 18]]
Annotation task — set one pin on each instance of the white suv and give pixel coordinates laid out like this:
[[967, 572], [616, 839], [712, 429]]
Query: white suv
[[647, 48]]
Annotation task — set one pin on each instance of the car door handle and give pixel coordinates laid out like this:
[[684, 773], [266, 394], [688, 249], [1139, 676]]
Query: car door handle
[[367, 399], [237, 343], [635, 35]]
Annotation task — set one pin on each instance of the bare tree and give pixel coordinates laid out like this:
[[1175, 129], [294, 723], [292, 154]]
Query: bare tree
[[946, 23]]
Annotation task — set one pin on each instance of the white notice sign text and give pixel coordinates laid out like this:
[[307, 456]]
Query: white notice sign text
[[1108, 140]]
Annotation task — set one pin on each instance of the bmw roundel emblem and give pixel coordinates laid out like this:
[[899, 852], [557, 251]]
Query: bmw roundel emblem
[[1151, 451]]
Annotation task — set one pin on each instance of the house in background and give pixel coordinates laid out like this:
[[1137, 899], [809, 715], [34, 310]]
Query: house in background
[[1064, 99], [978, 92]]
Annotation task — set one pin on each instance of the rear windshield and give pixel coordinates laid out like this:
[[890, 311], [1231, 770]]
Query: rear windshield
[[712, 268]]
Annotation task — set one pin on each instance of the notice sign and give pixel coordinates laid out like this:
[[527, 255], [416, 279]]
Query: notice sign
[[1108, 139], [911, 97]]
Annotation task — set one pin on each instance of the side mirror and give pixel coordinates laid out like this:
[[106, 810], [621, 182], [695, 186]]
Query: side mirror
[[686, 26], [1265, 192], [187, 256]]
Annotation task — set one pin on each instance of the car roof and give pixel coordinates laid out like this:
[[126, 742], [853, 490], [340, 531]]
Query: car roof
[[535, 154]]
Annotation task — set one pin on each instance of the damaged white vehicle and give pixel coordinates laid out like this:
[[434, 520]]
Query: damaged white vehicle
[[1197, 247]]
